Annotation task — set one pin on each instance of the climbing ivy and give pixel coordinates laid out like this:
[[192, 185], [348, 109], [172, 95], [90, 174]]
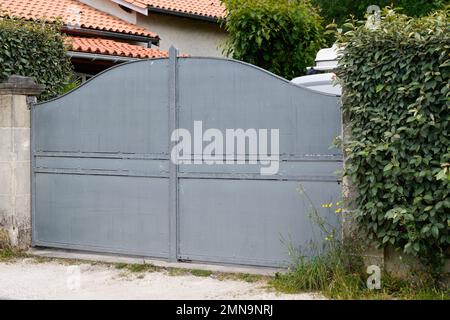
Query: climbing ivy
[[396, 82], [36, 50]]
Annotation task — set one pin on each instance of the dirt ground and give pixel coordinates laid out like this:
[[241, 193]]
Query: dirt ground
[[28, 278]]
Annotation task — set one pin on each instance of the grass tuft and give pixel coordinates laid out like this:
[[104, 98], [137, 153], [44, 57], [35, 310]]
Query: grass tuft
[[201, 273], [137, 267], [250, 278], [178, 272], [121, 266], [339, 274], [8, 254]]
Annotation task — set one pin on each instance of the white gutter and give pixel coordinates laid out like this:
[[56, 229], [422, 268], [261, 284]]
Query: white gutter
[[100, 57]]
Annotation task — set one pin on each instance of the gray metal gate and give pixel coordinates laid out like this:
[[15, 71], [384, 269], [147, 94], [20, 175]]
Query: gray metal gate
[[103, 179]]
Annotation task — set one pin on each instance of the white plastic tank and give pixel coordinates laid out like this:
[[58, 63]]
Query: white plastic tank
[[321, 76], [326, 59]]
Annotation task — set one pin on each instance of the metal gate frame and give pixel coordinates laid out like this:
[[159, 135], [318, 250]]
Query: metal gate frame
[[174, 252]]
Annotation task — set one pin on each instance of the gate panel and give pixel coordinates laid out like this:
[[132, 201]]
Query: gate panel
[[103, 213], [232, 94], [101, 166], [103, 180], [230, 213], [123, 110], [248, 221]]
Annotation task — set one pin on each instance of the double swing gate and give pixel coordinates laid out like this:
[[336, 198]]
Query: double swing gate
[[103, 179]]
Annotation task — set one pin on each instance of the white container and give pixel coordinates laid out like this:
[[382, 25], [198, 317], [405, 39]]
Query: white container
[[326, 63]]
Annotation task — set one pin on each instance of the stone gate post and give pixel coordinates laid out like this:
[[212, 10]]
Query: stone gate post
[[16, 95]]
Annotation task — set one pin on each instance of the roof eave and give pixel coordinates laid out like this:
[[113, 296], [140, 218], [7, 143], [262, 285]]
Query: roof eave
[[128, 5], [145, 12], [109, 34], [185, 14]]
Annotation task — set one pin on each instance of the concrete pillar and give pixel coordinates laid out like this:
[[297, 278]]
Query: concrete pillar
[[15, 159]]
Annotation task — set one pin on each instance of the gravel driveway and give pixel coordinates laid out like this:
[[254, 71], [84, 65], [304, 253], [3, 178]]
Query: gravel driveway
[[28, 278]]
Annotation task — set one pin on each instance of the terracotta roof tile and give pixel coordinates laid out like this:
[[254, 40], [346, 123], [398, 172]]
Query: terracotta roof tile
[[206, 8], [72, 12], [111, 47]]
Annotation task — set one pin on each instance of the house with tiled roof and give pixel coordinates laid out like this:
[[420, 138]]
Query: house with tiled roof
[[96, 39], [103, 33], [193, 26]]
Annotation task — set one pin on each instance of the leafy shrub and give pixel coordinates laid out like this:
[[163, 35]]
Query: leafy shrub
[[71, 84], [35, 50], [281, 36], [341, 10], [396, 83]]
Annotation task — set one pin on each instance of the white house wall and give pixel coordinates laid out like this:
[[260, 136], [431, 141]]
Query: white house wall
[[190, 36]]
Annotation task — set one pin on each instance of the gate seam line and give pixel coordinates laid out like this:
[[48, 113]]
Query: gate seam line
[[173, 168]]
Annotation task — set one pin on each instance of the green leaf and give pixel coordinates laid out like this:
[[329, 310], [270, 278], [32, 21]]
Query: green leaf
[[425, 229], [435, 231]]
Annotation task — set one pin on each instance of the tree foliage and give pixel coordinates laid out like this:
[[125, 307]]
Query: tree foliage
[[282, 36], [341, 10], [396, 82], [36, 50]]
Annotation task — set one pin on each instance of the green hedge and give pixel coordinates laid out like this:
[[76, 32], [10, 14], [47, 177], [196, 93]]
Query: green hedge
[[35, 50], [396, 97], [282, 36]]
